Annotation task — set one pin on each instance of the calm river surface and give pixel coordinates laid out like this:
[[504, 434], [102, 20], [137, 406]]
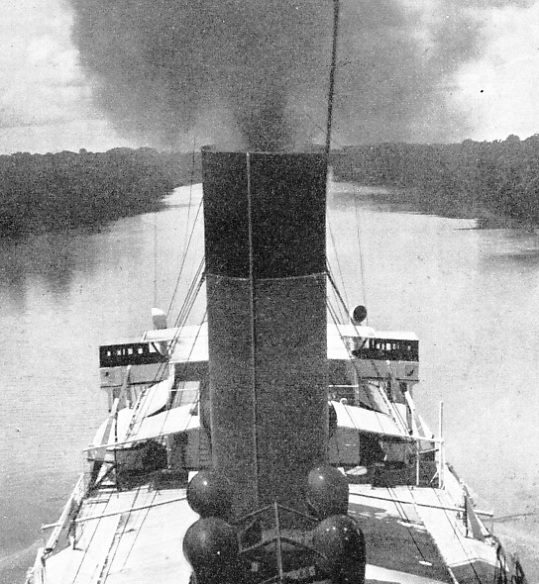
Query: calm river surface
[[472, 297]]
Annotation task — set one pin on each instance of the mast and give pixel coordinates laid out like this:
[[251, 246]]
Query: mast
[[332, 71]]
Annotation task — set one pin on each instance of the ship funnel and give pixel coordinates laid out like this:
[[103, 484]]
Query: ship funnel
[[264, 220]]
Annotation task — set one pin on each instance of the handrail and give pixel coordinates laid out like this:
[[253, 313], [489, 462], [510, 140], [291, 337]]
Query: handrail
[[70, 508]]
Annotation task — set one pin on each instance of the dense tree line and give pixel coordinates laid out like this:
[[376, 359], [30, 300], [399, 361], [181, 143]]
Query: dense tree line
[[489, 181], [57, 191]]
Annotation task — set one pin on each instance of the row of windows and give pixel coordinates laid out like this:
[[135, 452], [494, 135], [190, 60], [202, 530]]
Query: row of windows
[[123, 350], [391, 350], [129, 354]]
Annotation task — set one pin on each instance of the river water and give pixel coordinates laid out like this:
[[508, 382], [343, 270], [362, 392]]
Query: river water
[[471, 295]]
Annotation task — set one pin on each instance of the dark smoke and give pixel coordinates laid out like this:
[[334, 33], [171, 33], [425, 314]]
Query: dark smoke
[[254, 73]]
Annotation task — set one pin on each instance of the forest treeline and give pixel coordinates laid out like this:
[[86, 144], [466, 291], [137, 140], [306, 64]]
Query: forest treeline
[[489, 181], [45, 192], [494, 182]]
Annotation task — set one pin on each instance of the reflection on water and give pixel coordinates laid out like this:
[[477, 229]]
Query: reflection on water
[[470, 295], [503, 246]]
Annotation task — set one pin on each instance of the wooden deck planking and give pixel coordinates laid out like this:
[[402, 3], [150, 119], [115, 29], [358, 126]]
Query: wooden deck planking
[[157, 552], [127, 546], [377, 575], [84, 562], [398, 545], [469, 559], [387, 501], [433, 512], [152, 544]]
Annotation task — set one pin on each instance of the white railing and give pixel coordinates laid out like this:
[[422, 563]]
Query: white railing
[[60, 534]]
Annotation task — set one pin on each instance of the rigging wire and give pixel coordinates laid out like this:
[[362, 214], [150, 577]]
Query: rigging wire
[[361, 262], [186, 229], [399, 506], [189, 301], [128, 555], [176, 338], [456, 534], [105, 570], [160, 434], [192, 294], [332, 71], [95, 526], [345, 304], [351, 359], [336, 289], [303, 111], [334, 316], [178, 279], [342, 308], [185, 243], [392, 411], [190, 298], [155, 259]]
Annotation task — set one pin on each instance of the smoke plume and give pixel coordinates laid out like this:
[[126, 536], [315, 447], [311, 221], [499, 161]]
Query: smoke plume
[[254, 73]]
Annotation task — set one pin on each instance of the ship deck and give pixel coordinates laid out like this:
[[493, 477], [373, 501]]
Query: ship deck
[[421, 531], [414, 536], [133, 536]]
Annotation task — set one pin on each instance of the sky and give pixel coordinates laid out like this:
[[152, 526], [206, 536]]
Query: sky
[[55, 95], [45, 100]]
